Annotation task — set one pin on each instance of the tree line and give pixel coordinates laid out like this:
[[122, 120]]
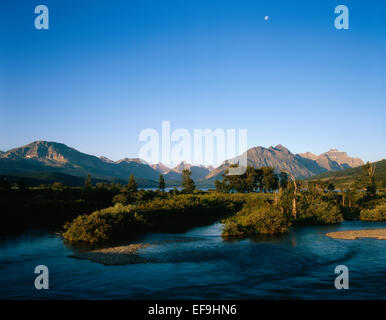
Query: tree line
[[253, 180]]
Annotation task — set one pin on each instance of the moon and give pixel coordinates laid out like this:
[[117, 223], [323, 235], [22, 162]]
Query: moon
[[266, 18]]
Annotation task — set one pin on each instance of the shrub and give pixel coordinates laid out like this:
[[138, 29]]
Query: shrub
[[319, 212], [121, 198], [377, 213], [103, 225], [250, 221]]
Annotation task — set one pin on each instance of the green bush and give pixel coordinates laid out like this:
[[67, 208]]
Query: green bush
[[103, 225], [318, 211], [121, 198], [377, 213], [251, 221]]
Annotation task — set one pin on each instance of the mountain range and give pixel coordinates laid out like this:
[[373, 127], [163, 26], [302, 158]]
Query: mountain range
[[44, 156], [300, 165], [198, 171], [345, 178]]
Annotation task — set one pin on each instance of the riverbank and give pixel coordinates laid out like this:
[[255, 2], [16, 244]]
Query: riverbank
[[379, 234]]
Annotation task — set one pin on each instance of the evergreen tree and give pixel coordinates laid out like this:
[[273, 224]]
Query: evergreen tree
[[270, 180], [187, 181], [221, 186], [250, 179], [283, 180], [132, 185], [371, 186], [235, 182], [88, 182], [161, 184]]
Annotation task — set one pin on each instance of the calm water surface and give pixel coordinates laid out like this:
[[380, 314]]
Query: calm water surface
[[199, 264]]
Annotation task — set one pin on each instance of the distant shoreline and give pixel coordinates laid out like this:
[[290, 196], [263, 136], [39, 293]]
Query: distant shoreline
[[379, 234]]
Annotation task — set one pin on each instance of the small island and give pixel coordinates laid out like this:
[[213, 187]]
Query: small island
[[379, 234], [114, 256]]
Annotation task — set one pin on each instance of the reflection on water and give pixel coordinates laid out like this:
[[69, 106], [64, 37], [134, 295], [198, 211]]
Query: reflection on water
[[200, 264]]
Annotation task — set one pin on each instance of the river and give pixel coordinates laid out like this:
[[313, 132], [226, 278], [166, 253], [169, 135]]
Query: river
[[199, 264]]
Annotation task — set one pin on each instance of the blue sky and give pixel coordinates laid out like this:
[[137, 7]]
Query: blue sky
[[105, 70]]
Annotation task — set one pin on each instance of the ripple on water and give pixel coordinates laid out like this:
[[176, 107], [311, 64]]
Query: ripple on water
[[200, 264]]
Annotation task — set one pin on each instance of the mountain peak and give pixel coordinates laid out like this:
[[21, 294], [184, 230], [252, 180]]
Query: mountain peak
[[45, 151], [45, 143], [281, 147], [160, 167], [181, 166], [335, 153], [132, 160], [105, 159], [53, 156], [308, 155], [333, 159]]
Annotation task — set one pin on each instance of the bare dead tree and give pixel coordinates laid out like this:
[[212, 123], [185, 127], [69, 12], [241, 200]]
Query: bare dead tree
[[369, 168], [290, 175], [371, 171]]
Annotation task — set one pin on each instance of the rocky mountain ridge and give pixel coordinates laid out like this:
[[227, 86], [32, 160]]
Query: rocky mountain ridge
[[58, 157]]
